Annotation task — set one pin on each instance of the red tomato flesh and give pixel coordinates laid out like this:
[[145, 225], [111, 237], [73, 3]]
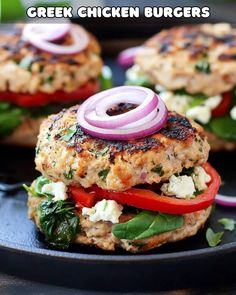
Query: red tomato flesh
[[149, 200], [41, 98]]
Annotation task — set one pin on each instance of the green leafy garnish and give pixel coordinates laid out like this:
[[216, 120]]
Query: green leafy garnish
[[30, 190], [228, 223], [213, 238], [58, 222], [147, 224], [39, 183], [158, 169], [102, 152], [203, 66], [36, 190], [187, 171], [49, 79], [69, 133], [223, 127], [103, 174], [196, 101], [26, 63], [10, 118], [4, 106], [70, 174]]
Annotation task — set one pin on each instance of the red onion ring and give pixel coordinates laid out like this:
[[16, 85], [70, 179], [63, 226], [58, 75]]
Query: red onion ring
[[47, 32], [139, 128], [99, 104], [225, 200], [78, 34], [127, 56]]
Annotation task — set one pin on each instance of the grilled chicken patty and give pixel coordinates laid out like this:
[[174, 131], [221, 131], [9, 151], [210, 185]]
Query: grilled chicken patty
[[99, 234], [65, 153], [170, 58], [26, 69]]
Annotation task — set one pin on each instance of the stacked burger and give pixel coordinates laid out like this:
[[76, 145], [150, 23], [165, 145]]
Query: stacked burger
[[43, 67], [121, 171], [194, 70]]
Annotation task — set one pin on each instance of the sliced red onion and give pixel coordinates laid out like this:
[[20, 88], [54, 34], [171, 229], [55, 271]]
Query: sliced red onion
[[97, 109], [225, 200], [44, 31], [139, 128], [79, 37], [126, 57]]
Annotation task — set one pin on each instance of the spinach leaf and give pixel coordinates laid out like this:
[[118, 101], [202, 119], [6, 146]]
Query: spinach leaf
[[58, 222], [30, 190], [36, 191], [196, 101], [39, 183], [213, 239], [69, 133], [228, 223], [147, 224], [4, 106], [10, 118], [223, 127]]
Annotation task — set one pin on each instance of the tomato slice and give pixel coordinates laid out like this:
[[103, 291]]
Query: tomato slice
[[41, 98], [224, 106], [82, 198], [149, 200]]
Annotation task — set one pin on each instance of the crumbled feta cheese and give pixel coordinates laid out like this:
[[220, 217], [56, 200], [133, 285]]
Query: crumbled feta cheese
[[200, 113], [105, 210], [179, 186], [133, 73], [200, 178], [177, 103], [233, 113], [57, 189], [213, 101]]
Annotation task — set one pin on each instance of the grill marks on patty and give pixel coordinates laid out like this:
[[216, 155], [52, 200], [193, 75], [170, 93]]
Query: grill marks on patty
[[194, 39], [199, 59], [18, 49], [181, 143], [26, 69], [177, 127]]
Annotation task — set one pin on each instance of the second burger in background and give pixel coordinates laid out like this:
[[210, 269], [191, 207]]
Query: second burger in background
[[43, 67], [194, 70]]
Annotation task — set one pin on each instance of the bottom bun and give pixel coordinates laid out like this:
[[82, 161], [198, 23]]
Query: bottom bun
[[25, 134], [99, 234]]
